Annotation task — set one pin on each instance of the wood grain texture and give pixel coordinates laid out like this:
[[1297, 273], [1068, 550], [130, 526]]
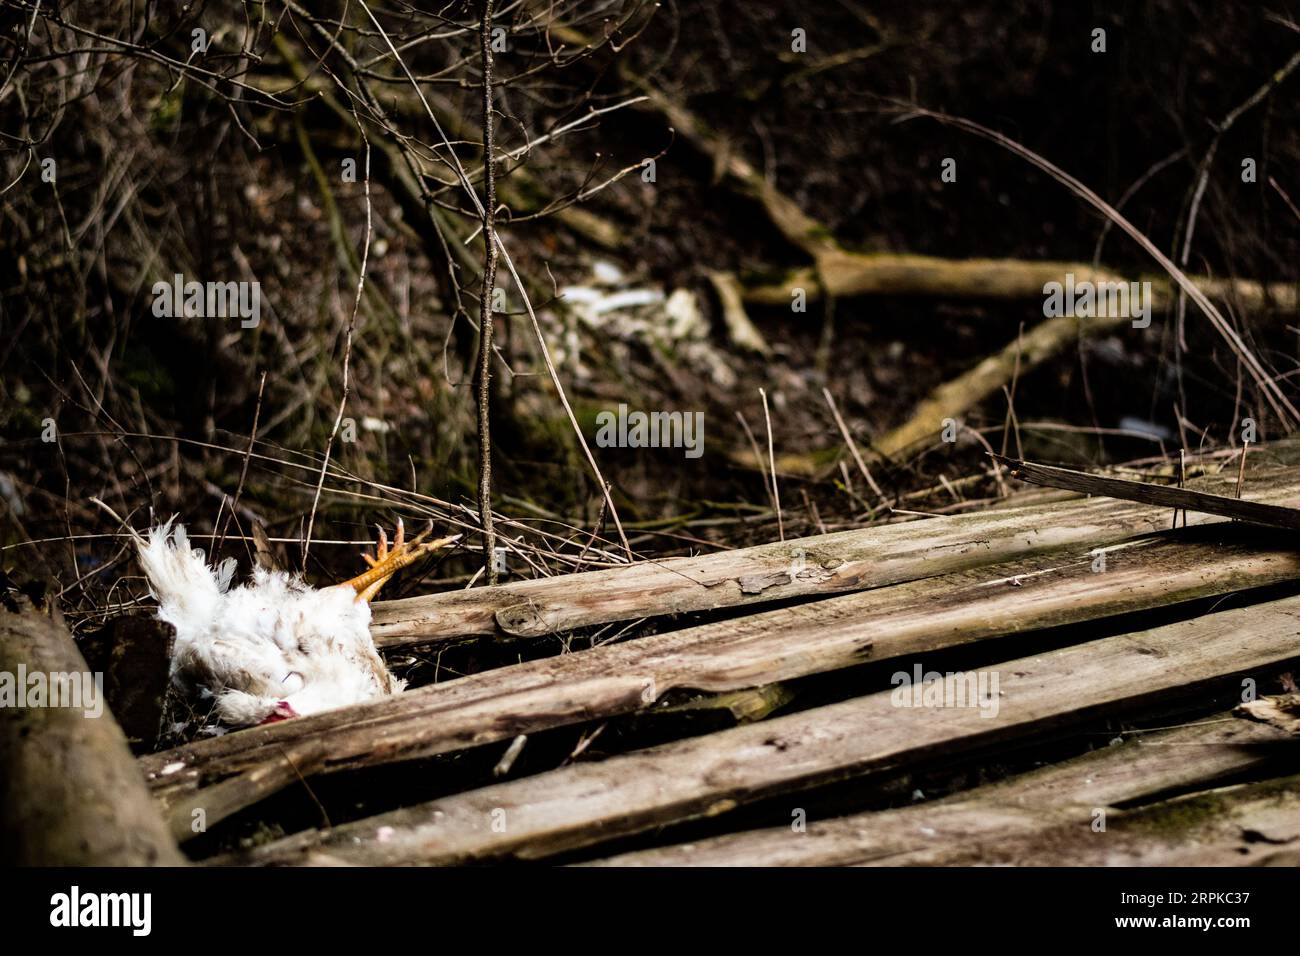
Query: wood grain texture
[[1245, 825], [72, 792], [765, 648], [1063, 797], [586, 804], [1256, 512], [818, 566]]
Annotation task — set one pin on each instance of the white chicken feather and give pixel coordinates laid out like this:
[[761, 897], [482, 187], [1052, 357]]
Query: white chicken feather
[[275, 647]]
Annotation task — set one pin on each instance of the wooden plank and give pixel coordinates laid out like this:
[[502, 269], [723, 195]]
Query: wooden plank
[[1254, 824], [276, 771], [1059, 797], [1152, 494], [585, 804], [72, 792], [765, 648], [823, 565], [1246, 825]]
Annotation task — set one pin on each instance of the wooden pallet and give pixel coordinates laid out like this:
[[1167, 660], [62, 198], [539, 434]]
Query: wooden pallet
[[1048, 597]]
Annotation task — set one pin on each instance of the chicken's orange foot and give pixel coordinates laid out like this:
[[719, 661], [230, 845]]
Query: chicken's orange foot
[[388, 561]]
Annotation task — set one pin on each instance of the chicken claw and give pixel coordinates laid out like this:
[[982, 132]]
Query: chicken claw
[[388, 561]]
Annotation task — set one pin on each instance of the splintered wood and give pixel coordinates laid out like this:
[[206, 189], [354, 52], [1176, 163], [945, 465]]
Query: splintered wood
[[1068, 624], [1152, 494]]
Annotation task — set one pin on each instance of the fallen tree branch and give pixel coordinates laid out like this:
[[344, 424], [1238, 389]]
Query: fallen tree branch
[[1267, 383], [839, 272], [848, 274], [72, 792], [836, 272], [954, 398], [740, 329]]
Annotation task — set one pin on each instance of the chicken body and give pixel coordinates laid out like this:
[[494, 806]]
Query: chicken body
[[269, 649]]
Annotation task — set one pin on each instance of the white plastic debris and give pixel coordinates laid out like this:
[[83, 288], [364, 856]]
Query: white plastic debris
[[684, 317], [580, 294], [606, 273], [627, 299]]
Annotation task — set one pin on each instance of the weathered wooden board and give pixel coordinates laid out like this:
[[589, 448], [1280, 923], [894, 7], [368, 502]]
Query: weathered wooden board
[[1060, 798], [1146, 492], [760, 649], [585, 804], [1252, 824], [826, 564]]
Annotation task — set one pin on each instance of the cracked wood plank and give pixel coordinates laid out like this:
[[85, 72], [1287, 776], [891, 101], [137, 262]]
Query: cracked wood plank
[[827, 564], [586, 804], [765, 648], [1062, 797], [1254, 824]]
